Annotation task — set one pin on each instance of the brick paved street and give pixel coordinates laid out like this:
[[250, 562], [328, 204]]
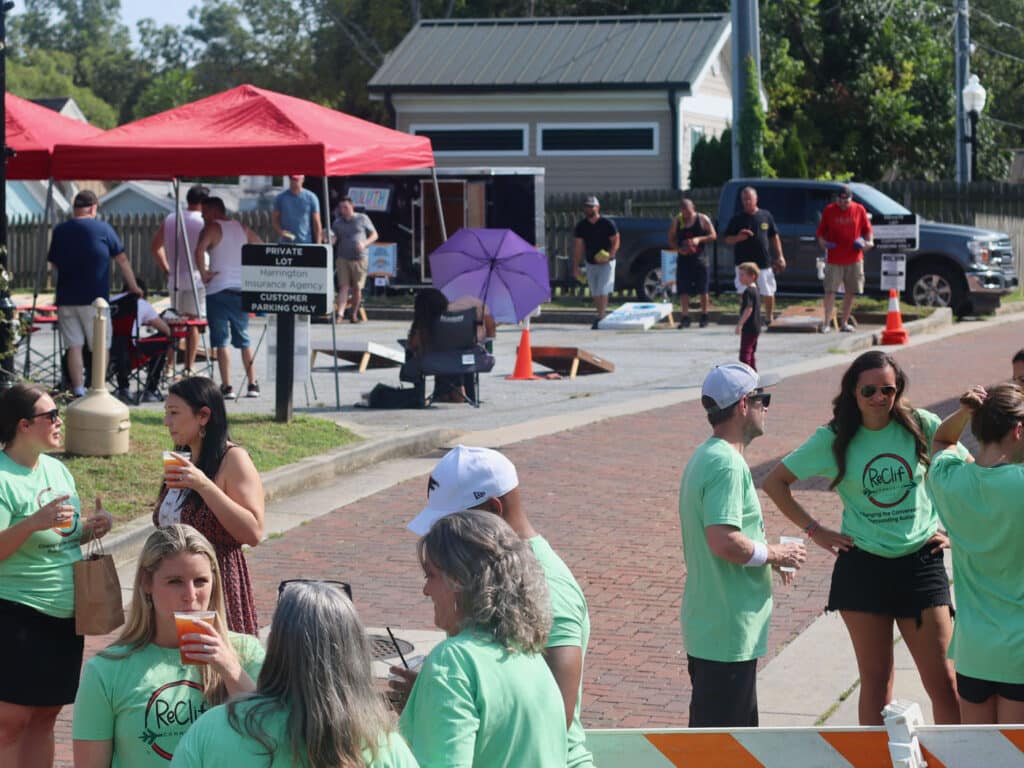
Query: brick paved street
[[605, 495]]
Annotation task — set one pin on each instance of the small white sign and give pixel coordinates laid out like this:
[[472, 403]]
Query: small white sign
[[287, 279], [669, 261], [380, 282], [898, 233], [302, 356], [894, 271]]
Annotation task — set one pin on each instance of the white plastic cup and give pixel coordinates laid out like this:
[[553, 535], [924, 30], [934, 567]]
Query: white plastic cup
[[789, 540]]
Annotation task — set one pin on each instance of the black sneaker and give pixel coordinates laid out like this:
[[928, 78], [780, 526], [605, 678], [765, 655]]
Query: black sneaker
[[151, 396], [685, 322], [124, 396], [253, 390], [594, 325], [227, 391], [704, 320]]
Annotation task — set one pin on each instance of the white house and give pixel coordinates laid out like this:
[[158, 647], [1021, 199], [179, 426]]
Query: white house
[[252, 193], [602, 103]]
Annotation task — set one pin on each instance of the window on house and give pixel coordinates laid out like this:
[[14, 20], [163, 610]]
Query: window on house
[[598, 139], [475, 140]]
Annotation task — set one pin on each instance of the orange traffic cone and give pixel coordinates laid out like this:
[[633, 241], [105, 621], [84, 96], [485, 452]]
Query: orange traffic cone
[[894, 332], [524, 359]]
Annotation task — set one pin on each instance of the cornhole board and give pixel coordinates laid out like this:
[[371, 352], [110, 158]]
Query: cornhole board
[[365, 354], [636, 316], [570, 361], [798, 319]]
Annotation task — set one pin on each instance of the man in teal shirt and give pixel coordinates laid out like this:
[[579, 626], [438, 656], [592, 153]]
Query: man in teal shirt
[[480, 478], [727, 600], [296, 214]]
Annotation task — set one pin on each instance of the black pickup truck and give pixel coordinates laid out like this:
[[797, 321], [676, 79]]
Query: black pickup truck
[[964, 268]]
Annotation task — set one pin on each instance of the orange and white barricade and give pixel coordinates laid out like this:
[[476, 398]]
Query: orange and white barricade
[[949, 746]]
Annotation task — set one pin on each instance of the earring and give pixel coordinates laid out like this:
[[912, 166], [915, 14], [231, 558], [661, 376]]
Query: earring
[[202, 431]]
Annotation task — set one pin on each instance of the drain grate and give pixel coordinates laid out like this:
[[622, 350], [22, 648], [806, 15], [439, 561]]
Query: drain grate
[[382, 648]]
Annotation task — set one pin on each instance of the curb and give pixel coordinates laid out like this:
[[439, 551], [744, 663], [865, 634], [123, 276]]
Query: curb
[[309, 473], [942, 317]]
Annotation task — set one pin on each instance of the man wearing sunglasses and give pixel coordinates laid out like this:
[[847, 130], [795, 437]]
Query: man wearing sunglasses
[[727, 599], [845, 233]]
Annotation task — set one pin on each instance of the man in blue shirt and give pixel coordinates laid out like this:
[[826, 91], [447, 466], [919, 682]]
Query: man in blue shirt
[[81, 250], [296, 216]]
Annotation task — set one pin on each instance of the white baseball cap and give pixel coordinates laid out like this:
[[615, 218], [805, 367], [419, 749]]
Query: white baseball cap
[[465, 478], [727, 384]]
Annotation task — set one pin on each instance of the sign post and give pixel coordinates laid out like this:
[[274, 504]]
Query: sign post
[[895, 235], [286, 280]]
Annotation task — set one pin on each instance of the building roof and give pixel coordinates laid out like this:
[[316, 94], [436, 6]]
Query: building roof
[[158, 197], [558, 53]]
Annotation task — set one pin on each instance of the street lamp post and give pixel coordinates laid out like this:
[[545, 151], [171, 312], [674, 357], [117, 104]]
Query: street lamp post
[[7, 334], [974, 102]]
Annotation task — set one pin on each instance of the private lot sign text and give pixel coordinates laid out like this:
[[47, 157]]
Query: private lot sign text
[[287, 279]]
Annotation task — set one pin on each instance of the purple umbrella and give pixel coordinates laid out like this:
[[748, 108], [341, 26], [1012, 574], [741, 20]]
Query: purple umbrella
[[496, 266]]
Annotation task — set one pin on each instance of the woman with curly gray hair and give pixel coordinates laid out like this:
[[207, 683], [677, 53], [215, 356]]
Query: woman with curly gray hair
[[485, 696]]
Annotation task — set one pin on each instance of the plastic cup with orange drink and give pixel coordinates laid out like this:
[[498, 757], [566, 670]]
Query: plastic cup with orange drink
[[185, 622], [67, 508], [171, 459]]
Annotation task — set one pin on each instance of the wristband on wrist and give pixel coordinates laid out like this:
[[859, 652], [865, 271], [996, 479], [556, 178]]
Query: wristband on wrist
[[811, 528], [760, 556]]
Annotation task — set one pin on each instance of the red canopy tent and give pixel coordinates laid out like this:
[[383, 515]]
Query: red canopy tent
[[244, 130], [32, 131]]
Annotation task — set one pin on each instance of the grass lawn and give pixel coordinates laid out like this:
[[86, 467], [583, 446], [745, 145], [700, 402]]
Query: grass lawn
[[129, 484]]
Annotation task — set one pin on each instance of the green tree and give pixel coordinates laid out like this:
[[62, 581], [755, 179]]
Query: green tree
[[789, 160], [46, 74], [711, 161], [752, 126]]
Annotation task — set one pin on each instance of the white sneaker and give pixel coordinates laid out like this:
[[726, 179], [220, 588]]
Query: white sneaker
[[826, 328], [847, 328]]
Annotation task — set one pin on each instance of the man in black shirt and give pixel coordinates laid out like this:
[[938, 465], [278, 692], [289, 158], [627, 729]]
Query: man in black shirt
[[596, 239], [752, 234]]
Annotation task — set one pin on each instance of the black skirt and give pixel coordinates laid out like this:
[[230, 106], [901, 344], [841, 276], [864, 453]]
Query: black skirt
[[42, 657]]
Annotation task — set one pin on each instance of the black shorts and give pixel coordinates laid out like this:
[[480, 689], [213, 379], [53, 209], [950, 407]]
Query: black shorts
[[978, 691], [692, 275], [42, 657], [901, 587], [724, 693]]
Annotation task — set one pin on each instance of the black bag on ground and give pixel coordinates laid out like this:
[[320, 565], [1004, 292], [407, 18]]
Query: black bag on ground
[[384, 396]]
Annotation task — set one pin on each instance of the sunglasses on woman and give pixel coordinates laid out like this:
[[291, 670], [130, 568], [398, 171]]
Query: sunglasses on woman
[[344, 585], [51, 415], [868, 390]]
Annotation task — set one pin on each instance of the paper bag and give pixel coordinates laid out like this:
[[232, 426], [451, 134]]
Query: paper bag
[[98, 608]]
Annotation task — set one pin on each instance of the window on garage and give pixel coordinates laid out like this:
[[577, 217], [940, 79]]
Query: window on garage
[[597, 139], [474, 140]]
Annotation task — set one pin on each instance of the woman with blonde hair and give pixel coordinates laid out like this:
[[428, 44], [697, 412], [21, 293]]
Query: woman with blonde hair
[[137, 698], [979, 503], [485, 696], [315, 705]]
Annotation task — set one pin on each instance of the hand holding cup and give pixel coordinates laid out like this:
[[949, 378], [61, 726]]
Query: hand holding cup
[[55, 511]]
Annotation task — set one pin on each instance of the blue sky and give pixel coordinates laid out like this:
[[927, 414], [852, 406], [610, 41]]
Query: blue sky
[[165, 11]]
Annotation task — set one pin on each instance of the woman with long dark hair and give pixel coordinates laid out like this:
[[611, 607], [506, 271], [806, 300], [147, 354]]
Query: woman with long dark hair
[[41, 528], [979, 503], [889, 565], [315, 705], [216, 490]]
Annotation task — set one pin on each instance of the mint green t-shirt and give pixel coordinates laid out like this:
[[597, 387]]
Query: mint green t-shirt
[[571, 626], [886, 507], [726, 607], [981, 509], [213, 743], [145, 702], [478, 704], [39, 574]]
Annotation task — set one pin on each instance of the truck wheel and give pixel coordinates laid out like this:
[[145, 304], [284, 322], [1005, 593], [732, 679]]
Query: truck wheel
[[648, 280], [935, 285]]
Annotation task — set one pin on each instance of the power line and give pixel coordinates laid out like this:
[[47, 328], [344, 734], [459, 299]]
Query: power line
[[1002, 122], [997, 52], [997, 22]]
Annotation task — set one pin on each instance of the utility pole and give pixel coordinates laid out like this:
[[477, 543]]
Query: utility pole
[[963, 71], [7, 337], [746, 41]]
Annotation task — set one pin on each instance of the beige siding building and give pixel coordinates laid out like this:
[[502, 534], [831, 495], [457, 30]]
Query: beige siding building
[[601, 103]]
